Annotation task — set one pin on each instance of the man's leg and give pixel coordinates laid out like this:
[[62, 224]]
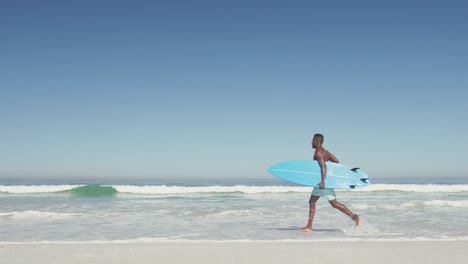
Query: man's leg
[[345, 210], [313, 200]]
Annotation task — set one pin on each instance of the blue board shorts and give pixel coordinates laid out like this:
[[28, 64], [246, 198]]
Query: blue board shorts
[[327, 193]]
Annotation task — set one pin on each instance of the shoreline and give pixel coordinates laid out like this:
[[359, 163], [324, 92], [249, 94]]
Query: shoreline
[[234, 241], [238, 252]]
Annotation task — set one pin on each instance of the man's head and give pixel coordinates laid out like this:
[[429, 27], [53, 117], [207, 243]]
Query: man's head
[[317, 141]]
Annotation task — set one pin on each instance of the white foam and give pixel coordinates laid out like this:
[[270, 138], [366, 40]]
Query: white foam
[[438, 203], [423, 188], [167, 190], [413, 205], [237, 213], [36, 188], [163, 189], [35, 215]]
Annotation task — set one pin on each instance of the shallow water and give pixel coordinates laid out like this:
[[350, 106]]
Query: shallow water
[[242, 212]]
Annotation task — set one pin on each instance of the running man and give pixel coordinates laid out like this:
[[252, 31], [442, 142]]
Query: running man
[[321, 156]]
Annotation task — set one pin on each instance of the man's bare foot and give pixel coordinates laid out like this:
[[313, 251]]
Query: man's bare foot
[[306, 229], [356, 219]]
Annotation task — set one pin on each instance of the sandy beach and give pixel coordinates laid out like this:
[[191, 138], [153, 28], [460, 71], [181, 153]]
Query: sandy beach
[[238, 252]]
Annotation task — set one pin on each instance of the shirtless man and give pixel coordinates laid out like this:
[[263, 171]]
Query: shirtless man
[[321, 156]]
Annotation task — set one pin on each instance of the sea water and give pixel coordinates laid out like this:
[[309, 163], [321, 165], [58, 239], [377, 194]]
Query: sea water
[[50, 212]]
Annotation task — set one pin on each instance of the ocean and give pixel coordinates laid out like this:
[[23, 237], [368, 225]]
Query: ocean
[[116, 212]]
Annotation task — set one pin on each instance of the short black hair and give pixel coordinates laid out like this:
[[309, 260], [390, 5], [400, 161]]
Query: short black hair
[[320, 136]]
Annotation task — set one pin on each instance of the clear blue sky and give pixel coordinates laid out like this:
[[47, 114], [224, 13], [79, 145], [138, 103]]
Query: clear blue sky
[[224, 89]]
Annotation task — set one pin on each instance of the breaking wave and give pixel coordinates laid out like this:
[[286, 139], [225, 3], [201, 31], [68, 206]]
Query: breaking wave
[[111, 190]]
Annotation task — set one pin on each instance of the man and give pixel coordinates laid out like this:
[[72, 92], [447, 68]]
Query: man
[[321, 156]]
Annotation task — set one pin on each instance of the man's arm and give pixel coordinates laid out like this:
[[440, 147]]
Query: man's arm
[[333, 158], [323, 167]]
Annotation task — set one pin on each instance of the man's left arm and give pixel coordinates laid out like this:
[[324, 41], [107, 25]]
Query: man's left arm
[[323, 168], [333, 158]]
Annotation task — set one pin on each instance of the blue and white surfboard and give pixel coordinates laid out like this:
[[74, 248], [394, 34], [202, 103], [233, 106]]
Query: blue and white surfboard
[[308, 173]]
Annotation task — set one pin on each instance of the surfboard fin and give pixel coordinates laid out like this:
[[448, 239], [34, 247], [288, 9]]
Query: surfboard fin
[[354, 169], [365, 180], [352, 186]]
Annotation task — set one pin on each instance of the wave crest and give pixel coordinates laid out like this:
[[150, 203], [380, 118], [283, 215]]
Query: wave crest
[[28, 215], [18, 189], [110, 190], [163, 189], [423, 188]]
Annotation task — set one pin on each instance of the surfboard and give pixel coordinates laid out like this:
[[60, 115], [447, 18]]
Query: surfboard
[[308, 173]]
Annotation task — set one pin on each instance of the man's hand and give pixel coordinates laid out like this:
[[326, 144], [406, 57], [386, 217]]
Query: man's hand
[[322, 185]]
